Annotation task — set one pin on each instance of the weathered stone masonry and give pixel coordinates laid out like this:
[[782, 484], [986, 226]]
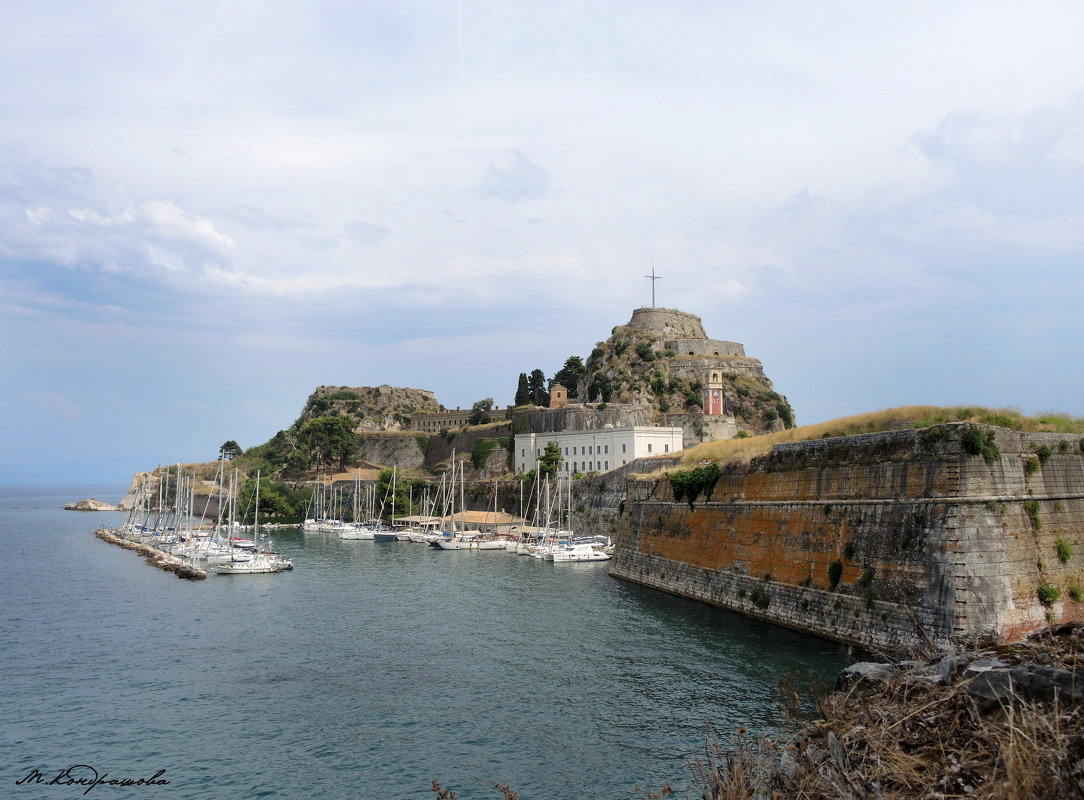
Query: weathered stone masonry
[[933, 542]]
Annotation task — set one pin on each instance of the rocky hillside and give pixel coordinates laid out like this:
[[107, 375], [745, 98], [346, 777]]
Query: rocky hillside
[[373, 408], [641, 365]]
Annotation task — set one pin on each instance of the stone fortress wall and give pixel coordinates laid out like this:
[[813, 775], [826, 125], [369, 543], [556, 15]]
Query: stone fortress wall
[[707, 348], [930, 540]]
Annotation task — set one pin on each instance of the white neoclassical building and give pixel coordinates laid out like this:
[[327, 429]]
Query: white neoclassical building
[[598, 450]]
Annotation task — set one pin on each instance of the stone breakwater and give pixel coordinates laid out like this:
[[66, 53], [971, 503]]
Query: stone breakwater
[[888, 541], [156, 558]]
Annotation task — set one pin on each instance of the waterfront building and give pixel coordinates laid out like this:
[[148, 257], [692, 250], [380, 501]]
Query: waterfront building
[[597, 450]]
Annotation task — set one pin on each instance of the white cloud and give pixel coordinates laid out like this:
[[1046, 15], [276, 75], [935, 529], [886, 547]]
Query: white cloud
[[321, 172], [1070, 147], [366, 234], [172, 220], [39, 215], [512, 177]]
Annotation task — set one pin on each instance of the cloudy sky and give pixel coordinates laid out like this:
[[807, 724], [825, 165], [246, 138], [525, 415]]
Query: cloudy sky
[[209, 209]]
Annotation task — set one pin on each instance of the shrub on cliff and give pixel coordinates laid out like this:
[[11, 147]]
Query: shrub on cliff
[[1047, 594], [1032, 508], [972, 441], [975, 443], [866, 578], [835, 572], [760, 599]]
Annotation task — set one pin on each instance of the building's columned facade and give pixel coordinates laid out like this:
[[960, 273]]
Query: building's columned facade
[[597, 450]]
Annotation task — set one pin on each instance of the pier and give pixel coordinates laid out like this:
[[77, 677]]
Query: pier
[[156, 558]]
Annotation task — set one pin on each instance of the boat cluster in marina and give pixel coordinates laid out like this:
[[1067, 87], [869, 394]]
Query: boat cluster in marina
[[446, 526], [164, 517], [164, 521]]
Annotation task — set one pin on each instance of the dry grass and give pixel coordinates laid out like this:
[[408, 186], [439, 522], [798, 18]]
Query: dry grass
[[911, 739], [741, 451]]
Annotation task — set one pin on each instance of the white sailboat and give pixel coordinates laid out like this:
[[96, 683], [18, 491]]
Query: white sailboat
[[258, 561], [357, 530]]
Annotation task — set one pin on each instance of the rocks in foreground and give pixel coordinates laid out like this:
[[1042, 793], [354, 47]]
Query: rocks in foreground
[[90, 505], [1002, 721]]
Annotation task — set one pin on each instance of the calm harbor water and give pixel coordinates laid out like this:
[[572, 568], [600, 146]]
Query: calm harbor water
[[368, 671]]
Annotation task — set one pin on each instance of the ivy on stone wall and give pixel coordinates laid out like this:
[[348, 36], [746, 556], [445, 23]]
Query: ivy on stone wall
[[483, 449], [689, 484]]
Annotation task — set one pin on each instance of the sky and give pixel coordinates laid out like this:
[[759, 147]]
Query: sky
[[209, 209]]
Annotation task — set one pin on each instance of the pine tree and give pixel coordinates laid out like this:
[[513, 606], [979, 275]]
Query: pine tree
[[569, 375], [536, 385], [523, 394]]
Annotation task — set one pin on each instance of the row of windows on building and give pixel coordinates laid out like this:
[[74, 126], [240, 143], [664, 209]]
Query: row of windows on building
[[587, 466], [589, 450]]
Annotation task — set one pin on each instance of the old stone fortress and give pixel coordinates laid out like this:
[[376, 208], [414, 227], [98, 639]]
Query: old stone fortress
[[599, 437], [886, 540]]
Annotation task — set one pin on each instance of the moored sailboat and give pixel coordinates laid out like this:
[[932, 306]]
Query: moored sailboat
[[257, 561]]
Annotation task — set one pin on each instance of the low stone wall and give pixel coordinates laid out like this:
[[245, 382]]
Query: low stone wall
[[695, 368], [705, 347]]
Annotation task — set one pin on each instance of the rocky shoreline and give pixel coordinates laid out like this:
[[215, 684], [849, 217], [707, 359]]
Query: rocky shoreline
[[90, 505]]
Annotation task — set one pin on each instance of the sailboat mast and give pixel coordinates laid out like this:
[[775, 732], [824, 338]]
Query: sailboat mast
[[256, 516]]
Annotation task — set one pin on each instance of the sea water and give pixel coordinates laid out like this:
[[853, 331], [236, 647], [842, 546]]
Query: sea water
[[369, 671]]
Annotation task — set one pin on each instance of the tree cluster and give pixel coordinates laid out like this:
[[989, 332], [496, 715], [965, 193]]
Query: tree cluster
[[479, 414], [532, 389], [569, 375], [329, 440]]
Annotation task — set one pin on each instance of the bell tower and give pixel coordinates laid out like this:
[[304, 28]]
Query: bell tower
[[714, 400]]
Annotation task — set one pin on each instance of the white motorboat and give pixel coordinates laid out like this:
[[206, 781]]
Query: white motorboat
[[576, 552], [470, 540], [353, 531], [258, 563]]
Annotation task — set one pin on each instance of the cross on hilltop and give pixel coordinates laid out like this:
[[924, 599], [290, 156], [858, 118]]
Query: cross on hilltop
[[653, 278]]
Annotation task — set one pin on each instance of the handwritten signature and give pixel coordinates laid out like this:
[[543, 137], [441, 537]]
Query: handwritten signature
[[86, 775]]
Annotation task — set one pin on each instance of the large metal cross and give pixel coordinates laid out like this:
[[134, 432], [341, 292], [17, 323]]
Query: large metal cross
[[653, 278]]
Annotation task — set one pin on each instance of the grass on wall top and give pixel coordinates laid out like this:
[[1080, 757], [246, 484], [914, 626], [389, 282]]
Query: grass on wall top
[[742, 450]]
